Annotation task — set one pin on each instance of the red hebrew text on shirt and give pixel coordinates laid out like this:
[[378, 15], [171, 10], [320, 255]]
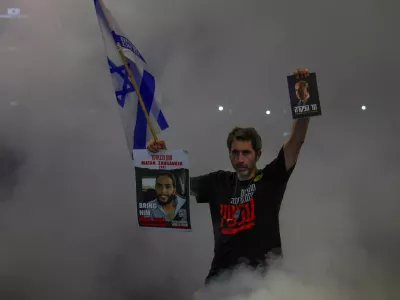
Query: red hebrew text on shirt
[[237, 217]]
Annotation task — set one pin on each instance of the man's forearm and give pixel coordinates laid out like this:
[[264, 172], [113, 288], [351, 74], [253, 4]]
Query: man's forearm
[[294, 143], [299, 130]]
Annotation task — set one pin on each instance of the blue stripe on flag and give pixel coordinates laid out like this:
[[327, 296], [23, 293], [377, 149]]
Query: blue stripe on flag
[[162, 122], [147, 89]]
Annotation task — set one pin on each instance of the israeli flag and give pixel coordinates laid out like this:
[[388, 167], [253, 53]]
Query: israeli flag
[[134, 121]]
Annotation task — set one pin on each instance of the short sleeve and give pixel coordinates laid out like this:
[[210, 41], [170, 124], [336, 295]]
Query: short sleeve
[[277, 168], [203, 187]]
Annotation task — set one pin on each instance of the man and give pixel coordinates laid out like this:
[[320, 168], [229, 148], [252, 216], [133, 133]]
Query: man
[[302, 92], [245, 204], [168, 204]]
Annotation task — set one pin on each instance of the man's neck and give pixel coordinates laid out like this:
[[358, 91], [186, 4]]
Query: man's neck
[[170, 207], [250, 176]]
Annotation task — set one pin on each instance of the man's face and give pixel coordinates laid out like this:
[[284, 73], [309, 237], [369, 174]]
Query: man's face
[[301, 91], [243, 158], [164, 188]]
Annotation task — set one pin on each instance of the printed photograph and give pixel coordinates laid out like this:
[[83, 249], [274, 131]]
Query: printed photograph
[[304, 97]]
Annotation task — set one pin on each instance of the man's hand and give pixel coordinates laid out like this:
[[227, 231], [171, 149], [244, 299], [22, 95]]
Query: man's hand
[[301, 73], [154, 146]]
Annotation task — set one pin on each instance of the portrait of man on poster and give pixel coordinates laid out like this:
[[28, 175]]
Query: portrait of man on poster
[[302, 92], [167, 204]]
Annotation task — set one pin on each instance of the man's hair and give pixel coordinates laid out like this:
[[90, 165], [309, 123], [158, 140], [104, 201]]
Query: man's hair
[[167, 174], [245, 134]]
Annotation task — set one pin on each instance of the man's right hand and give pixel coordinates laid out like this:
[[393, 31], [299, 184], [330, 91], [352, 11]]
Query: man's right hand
[[155, 146]]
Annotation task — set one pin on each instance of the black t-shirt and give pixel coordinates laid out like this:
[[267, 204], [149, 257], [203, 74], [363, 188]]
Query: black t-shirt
[[245, 214]]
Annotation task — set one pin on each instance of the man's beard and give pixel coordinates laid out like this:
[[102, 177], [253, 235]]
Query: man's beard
[[163, 203], [244, 172]]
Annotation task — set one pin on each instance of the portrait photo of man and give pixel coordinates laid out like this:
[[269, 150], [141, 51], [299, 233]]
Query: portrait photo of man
[[302, 92], [167, 204], [304, 96]]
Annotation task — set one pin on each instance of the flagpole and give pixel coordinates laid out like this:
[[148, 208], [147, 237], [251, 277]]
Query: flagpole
[[121, 53]]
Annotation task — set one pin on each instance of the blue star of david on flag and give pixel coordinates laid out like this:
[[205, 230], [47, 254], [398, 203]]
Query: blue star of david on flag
[[126, 84]]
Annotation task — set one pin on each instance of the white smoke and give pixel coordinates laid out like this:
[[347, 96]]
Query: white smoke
[[341, 278]]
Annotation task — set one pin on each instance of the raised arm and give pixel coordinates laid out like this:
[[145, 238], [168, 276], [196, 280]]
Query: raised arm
[[298, 134], [296, 139]]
